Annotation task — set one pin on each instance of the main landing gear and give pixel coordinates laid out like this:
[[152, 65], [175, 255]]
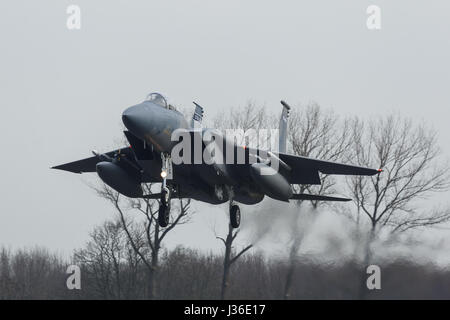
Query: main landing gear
[[235, 212], [164, 206], [235, 216]]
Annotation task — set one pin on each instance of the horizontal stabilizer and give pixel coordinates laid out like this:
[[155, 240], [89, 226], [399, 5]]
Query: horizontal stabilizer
[[304, 196]]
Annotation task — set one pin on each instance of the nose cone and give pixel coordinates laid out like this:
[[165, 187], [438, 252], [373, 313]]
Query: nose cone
[[143, 121], [137, 119], [153, 124]]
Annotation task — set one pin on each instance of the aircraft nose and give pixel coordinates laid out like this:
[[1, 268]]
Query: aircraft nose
[[130, 116], [153, 124], [136, 120]]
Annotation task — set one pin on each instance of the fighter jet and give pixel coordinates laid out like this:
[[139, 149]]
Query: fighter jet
[[235, 174]]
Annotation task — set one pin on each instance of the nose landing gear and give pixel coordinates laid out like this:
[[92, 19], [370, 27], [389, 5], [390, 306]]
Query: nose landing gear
[[164, 206]]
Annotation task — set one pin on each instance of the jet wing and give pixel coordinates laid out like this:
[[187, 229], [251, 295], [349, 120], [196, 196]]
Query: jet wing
[[88, 164], [301, 165]]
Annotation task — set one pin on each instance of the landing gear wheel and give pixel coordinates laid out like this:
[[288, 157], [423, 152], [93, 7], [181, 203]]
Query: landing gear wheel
[[163, 215], [164, 208], [235, 216]]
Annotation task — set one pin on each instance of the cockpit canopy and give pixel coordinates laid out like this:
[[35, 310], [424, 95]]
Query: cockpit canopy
[[160, 100]]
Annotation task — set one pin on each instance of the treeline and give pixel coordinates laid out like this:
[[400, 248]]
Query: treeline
[[189, 274]]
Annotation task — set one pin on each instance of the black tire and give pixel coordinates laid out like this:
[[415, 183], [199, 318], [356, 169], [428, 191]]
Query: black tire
[[235, 216], [163, 215]]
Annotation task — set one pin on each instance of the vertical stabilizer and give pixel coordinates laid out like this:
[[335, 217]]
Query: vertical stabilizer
[[283, 127]]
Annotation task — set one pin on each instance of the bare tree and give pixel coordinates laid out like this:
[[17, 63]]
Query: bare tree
[[250, 116], [230, 257], [146, 241], [107, 260], [412, 172], [315, 133]]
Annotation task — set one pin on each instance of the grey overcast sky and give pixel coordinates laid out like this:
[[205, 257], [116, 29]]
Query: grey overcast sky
[[63, 91]]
